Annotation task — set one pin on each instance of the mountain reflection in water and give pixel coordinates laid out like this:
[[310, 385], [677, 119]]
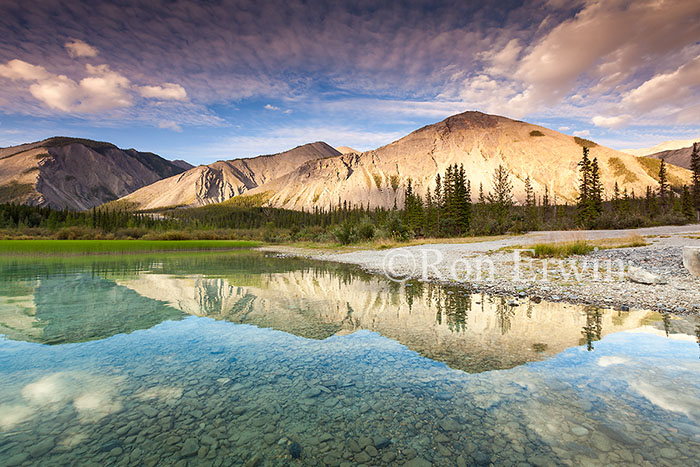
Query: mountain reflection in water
[[470, 332]]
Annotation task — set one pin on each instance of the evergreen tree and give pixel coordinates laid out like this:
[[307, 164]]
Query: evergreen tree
[[687, 208], [530, 204], [501, 198], [664, 187], [584, 187], [695, 184], [590, 198]]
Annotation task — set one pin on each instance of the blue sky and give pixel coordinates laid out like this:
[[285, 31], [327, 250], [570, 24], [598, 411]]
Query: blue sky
[[220, 79]]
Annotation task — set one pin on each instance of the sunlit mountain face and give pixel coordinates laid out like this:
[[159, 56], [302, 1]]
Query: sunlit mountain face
[[229, 79]]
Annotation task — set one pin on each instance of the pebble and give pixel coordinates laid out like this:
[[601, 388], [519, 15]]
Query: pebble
[[42, 447], [189, 448]]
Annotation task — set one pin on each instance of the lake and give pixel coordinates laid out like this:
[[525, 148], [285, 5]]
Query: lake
[[243, 358]]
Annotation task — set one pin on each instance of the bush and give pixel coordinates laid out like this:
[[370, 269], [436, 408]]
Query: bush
[[366, 229], [345, 233], [395, 227], [536, 133]]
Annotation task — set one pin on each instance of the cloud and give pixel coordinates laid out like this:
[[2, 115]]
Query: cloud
[[271, 107], [564, 128], [582, 133], [167, 91], [170, 126], [102, 89], [667, 89], [77, 48], [19, 70], [611, 122]]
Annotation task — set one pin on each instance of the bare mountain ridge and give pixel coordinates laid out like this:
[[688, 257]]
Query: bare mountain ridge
[[679, 157], [222, 180], [661, 147], [478, 141], [76, 173]]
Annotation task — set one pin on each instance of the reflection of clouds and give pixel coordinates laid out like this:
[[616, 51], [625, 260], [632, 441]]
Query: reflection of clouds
[[680, 398], [608, 360], [93, 397], [11, 415], [169, 395], [661, 333]]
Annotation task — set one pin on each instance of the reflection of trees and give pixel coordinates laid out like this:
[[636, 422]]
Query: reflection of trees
[[697, 334], [451, 304], [413, 290], [667, 322], [593, 329], [504, 313]]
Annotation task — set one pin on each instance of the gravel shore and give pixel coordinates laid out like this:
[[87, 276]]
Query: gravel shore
[[597, 278]]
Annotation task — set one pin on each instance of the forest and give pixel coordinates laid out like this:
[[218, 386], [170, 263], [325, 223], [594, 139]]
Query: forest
[[448, 209]]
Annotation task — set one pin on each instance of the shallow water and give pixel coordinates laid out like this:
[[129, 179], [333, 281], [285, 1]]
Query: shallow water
[[244, 359]]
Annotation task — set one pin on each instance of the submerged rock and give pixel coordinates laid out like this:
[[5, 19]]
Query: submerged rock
[[295, 450]]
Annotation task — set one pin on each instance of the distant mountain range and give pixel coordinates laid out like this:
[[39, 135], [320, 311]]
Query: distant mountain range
[[679, 157], [673, 152], [77, 173], [662, 147], [222, 180], [316, 174]]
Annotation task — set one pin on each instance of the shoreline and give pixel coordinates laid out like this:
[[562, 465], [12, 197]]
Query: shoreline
[[662, 256]]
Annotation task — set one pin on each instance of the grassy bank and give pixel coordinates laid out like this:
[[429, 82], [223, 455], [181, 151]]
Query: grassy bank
[[582, 247], [81, 247], [385, 243]]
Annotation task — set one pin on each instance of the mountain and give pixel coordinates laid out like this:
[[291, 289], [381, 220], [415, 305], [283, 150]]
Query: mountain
[[222, 180], [661, 147], [76, 173], [479, 141], [679, 157], [345, 149]]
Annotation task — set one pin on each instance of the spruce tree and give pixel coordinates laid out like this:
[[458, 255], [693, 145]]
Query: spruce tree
[[695, 183], [584, 187], [664, 187], [501, 198], [687, 208]]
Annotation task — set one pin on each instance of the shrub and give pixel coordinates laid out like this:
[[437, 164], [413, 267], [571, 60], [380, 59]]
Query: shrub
[[345, 233], [536, 133], [366, 229], [586, 143], [377, 181]]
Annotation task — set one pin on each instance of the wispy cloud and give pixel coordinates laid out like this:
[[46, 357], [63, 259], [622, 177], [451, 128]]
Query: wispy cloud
[[77, 48], [613, 64]]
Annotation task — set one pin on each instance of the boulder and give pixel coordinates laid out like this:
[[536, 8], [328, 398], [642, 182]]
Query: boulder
[[642, 276], [691, 260]]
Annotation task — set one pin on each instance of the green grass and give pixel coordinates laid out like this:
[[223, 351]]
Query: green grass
[[586, 143], [620, 170], [580, 247], [245, 201], [14, 191], [562, 250], [652, 166], [79, 247]]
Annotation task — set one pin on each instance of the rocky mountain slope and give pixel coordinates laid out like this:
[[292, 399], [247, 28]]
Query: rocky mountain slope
[[222, 180], [76, 173], [679, 157], [479, 141]]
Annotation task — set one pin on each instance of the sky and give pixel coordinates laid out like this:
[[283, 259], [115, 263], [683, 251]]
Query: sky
[[218, 79]]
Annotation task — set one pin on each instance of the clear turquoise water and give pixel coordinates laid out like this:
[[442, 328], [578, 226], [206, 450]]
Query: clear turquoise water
[[242, 359]]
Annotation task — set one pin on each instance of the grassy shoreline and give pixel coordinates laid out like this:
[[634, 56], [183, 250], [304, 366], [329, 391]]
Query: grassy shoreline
[[97, 247]]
